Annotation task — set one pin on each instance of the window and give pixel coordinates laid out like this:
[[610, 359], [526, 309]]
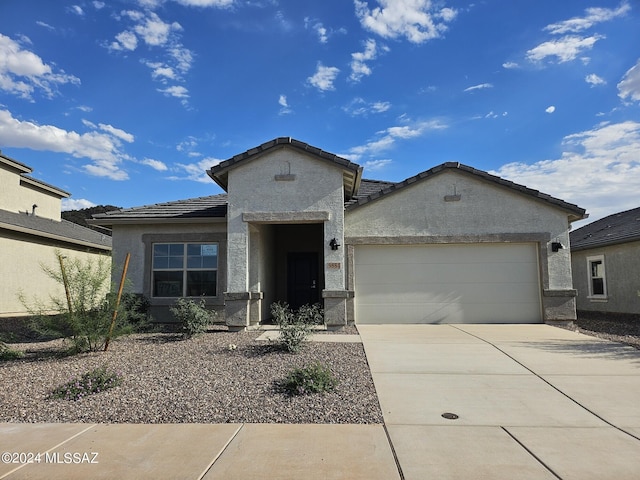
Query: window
[[185, 269], [597, 277]]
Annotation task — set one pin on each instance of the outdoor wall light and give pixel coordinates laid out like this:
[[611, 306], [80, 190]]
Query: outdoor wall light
[[334, 244], [555, 246]]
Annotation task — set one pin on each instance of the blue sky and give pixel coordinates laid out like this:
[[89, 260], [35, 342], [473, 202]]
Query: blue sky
[[127, 102]]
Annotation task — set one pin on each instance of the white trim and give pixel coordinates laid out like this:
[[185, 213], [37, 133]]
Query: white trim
[[603, 297]]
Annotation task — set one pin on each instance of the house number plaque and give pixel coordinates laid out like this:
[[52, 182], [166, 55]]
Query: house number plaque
[[333, 265]]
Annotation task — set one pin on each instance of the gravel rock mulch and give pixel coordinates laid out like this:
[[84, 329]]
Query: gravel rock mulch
[[607, 328], [200, 380]]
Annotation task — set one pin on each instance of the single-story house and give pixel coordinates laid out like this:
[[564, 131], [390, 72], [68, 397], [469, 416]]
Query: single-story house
[[450, 245], [605, 260], [32, 233]]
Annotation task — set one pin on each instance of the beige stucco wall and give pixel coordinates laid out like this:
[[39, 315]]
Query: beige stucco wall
[[137, 239], [484, 212], [20, 197], [622, 269], [20, 266], [253, 188]]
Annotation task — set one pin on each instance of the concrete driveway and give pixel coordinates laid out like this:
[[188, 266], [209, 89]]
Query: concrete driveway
[[531, 401]]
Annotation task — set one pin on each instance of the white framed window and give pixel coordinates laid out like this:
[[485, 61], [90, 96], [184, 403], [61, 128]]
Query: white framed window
[[184, 270], [597, 277]]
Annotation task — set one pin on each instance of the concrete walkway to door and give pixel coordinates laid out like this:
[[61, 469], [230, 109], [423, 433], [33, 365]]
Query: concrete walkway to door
[[531, 401]]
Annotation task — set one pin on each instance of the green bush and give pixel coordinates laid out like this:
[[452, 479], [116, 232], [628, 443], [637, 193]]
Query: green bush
[[7, 353], [85, 316], [295, 327], [192, 316], [94, 381], [315, 378]]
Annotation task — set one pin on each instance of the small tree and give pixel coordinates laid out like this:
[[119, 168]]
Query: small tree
[[83, 315]]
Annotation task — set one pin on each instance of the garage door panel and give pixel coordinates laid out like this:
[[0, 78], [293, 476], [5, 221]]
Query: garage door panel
[[480, 283], [448, 273]]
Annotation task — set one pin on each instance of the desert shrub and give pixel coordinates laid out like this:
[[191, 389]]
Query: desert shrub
[[8, 353], [95, 381], [315, 378], [85, 316], [192, 316], [295, 327]]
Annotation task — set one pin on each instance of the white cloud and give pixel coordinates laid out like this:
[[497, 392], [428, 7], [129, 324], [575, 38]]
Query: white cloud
[[510, 65], [196, 172], [599, 169], [154, 31], [359, 68], [360, 107], [416, 20], [592, 17], [319, 28], [385, 139], [176, 91], [206, 3], [155, 164], [629, 86], [482, 86], [324, 77], [161, 71], [376, 164], [593, 80], [284, 106], [564, 49], [98, 5], [550, 109], [125, 41], [116, 132], [23, 72], [103, 149], [77, 9], [76, 204], [44, 25]]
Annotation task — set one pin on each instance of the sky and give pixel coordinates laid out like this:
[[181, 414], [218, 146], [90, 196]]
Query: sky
[[129, 102]]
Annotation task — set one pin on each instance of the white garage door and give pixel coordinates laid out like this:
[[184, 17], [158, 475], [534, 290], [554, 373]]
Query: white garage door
[[466, 283]]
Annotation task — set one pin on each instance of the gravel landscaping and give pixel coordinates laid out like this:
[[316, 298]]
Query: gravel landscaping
[[217, 377], [201, 380]]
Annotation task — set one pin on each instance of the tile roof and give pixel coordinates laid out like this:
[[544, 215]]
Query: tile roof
[[63, 230], [202, 207], [189, 209], [618, 228], [578, 213]]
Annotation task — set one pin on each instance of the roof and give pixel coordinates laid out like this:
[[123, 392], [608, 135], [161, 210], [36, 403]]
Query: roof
[[21, 167], [352, 172], [576, 212], [63, 231], [618, 228], [191, 210]]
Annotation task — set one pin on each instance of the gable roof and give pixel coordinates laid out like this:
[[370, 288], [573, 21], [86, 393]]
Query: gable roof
[[351, 172], [618, 228], [576, 213], [62, 231], [190, 210]]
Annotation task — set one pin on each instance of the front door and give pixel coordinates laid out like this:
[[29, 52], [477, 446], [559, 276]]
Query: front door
[[302, 279]]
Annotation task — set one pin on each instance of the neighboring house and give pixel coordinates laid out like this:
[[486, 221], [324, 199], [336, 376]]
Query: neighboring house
[[32, 233], [605, 259], [450, 245]]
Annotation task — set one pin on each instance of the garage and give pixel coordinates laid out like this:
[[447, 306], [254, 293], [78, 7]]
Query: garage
[[452, 283]]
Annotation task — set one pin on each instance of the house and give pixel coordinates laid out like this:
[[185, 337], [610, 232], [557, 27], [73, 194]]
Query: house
[[605, 260], [450, 245], [32, 233]]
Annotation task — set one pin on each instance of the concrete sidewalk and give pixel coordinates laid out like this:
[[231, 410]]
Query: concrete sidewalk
[[531, 401]]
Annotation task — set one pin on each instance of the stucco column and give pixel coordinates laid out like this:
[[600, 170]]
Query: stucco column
[[237, 296]]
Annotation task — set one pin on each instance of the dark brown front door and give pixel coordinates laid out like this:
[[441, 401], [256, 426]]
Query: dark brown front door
[[302, 279]]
